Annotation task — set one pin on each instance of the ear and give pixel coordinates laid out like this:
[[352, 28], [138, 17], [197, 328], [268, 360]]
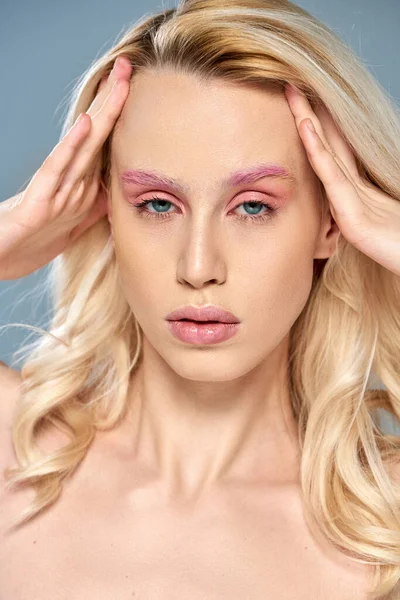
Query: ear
[[328, 235]]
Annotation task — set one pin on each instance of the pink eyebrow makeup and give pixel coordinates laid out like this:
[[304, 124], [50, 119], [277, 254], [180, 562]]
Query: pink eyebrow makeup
[[241, 177]]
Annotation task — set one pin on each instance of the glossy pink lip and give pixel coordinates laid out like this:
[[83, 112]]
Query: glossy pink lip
[[197, 333], [204, 313]]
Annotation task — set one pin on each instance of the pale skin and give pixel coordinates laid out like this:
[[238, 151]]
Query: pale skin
[[197, 493]]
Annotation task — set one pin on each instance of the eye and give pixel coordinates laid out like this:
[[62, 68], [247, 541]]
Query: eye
[[252, 205]]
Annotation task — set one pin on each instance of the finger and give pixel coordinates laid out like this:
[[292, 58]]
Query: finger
[[104, 89], [97, 210], [81, 199], [49, 176], [326, 129], [102, 124], [340, 146], [54, 169], [102, 84], [121, 70], [72, 195], [341, 191], [47, 179]]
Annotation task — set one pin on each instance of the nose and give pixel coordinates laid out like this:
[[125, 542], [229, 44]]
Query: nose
[[201, 259]]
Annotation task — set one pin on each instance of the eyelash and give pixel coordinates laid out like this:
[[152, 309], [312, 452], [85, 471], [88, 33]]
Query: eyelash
[[141, 208]]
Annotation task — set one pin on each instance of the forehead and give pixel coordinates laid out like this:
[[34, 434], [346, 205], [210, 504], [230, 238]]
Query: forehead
[[170, 116]]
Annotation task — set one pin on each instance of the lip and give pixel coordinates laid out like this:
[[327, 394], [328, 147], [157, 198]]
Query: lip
[[202, 313], [193, 332]]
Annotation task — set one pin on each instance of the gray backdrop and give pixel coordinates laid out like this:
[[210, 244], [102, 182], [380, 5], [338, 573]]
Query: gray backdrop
[[46, 45]]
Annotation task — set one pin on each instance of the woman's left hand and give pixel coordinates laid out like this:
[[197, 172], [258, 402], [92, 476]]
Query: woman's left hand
[[366, 216]]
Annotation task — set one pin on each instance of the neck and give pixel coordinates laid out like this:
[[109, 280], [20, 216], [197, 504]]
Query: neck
[[195, 435]]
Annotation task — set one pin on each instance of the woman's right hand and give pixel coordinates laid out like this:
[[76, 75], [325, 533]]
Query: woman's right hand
[[64, 197]]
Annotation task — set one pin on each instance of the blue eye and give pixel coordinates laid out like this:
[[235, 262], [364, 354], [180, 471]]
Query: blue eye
[[254, 205]]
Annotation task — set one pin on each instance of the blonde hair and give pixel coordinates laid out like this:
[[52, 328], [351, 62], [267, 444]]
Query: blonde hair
[[76, 376]]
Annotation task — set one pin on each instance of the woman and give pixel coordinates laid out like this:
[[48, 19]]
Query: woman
[[243, 458]]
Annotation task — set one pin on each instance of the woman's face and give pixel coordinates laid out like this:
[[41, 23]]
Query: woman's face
[[203, 241]]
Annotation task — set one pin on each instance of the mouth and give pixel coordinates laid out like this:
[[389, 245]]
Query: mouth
[[202, 315], [202, 332], [200, 322]]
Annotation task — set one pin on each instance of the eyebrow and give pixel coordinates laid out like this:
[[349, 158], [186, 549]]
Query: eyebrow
[[243, 176]]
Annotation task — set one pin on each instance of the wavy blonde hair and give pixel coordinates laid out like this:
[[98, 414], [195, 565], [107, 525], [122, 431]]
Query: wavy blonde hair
[[75, 377]]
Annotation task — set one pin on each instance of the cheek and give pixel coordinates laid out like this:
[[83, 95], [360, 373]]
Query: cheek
[[278, 283], [141, 273], [282, 282], [274, 304]]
